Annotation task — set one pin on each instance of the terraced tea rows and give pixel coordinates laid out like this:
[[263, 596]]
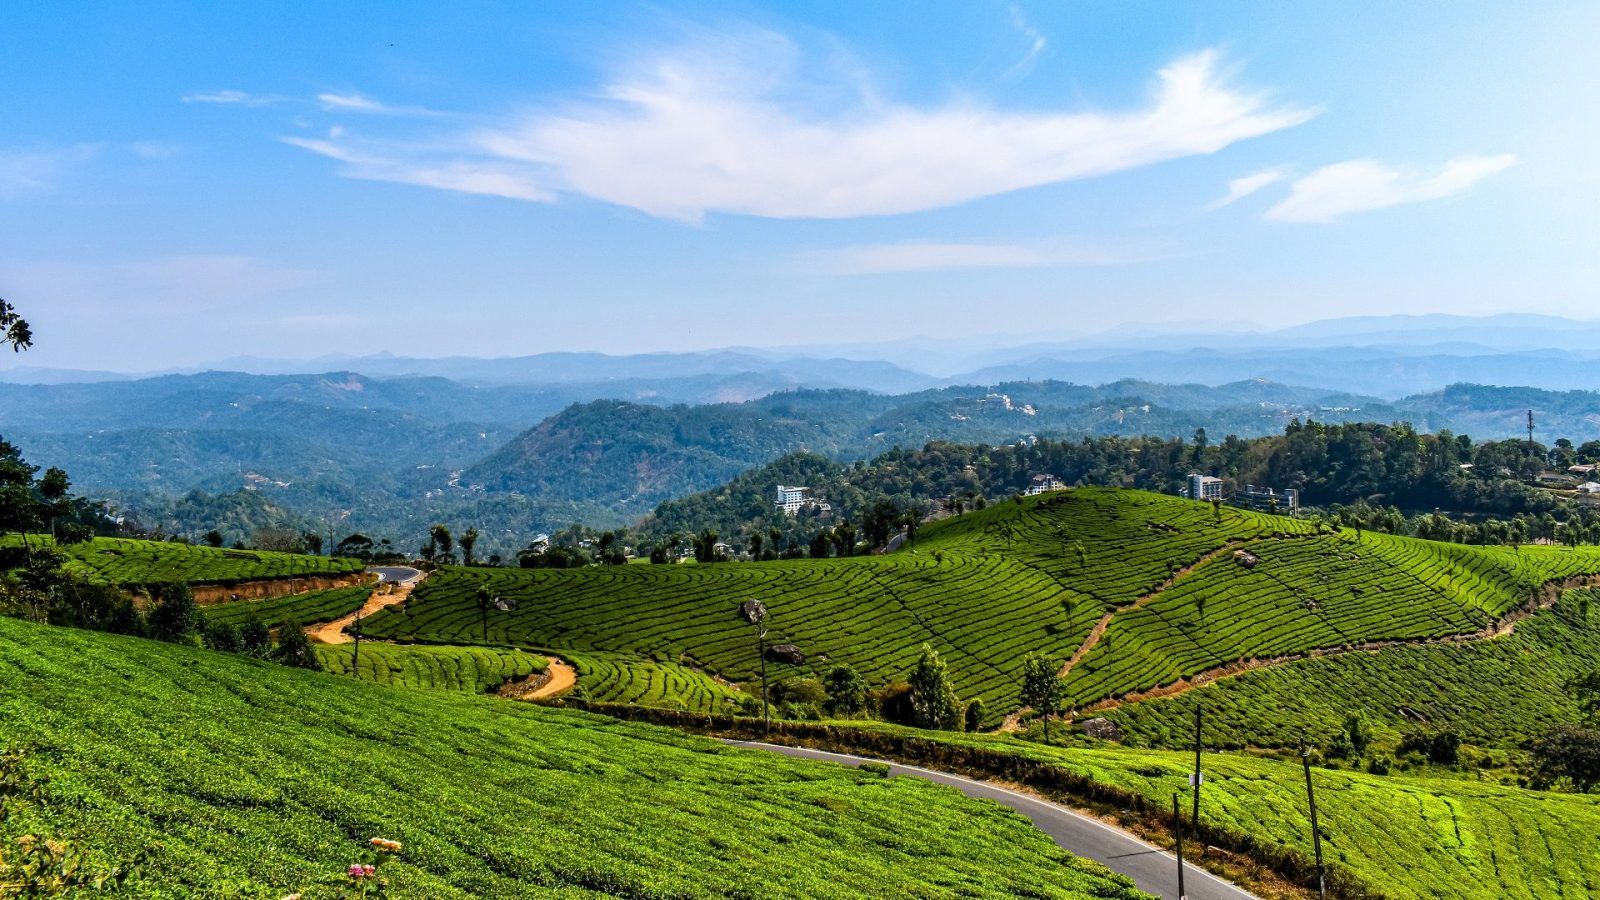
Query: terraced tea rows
[[614, 678], [1295, 596], [1409, 838], [134, 562], [299, 609], [992, 586], [874, 613], [471, 669], [1494, 693], [250, 779]]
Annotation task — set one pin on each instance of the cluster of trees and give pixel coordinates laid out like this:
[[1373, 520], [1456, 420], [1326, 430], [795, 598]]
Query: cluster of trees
[[1382, 477], [925, 699]]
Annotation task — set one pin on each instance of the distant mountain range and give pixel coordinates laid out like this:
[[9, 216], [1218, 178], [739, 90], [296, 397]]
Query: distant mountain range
[[1382, 356], [392, 455]]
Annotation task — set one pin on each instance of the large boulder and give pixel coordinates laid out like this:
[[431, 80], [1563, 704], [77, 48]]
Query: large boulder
[[1102, 729], [787, 653]]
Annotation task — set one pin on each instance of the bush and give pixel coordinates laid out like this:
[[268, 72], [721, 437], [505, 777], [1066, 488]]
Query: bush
[[1442, 748], [1570, 753], [294, 648], [973, 717], [254, 638], [847, 691], [175, 615], [223, 636], [875, 768]]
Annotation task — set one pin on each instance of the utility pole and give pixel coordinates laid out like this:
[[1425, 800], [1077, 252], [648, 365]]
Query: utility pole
[[1530, 432], [766, 711], [1177, 831], [1316, 835], [1197, 779]]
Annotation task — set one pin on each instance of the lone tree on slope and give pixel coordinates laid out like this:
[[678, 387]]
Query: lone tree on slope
[[1042, 688]]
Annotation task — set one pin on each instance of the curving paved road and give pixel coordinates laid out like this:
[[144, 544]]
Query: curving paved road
[[395, 574], [1155, 871]]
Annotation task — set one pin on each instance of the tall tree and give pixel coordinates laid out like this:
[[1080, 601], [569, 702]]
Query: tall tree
[[443, 544], [469, 540], [1042, 688], [933, 700]]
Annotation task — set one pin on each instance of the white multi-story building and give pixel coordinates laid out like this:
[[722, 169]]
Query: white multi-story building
[[1043, 483], [791, 498], [1204, 487]]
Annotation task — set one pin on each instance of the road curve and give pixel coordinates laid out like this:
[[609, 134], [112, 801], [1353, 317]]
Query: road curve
[[395, 574], [1155, 871]]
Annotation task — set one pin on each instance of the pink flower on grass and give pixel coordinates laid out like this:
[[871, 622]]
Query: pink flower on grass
[[355, 870]]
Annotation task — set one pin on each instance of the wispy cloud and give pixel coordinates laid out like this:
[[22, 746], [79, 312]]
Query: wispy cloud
[[1244, 186], [363, 104], [922, 256], [231, 98], [468, 176], [740, 127], [1033, 37], [30, 171], [1362, 185]]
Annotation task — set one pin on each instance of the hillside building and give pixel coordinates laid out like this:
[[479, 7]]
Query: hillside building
[[1043, 483], [792, 497], [1204, 487], [1286, 501]]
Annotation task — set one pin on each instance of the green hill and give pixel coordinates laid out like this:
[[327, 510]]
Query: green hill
[[242, 778], [1146, 589], [133, 562], [1498, 693], [1405, 837]]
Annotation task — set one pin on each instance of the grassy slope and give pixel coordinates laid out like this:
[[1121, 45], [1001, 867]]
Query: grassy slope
[[471, 669], [309, 608], [989, 587], [135, 562], [620, 678], [252, 778], [1496, 693], [1410, 837]]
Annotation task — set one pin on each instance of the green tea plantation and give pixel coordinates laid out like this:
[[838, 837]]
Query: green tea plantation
[[1144, 590], [233, 777]]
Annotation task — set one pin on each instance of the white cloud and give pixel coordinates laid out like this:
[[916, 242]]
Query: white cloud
[[1244, 186], [31, 171], [1033, 37], [739, 128], [1362, 185], [363, 104], [230, 98], [468, 176], [921, 256]]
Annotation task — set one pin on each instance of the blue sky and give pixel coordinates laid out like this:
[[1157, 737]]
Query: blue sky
[[180, 182]]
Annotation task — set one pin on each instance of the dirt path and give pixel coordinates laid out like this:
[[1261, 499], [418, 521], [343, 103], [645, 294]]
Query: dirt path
[[1506, 625], [1099, 629], [384, 596], [557, 678]]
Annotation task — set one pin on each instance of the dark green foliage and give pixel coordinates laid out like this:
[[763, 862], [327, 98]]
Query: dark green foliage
[[294, 648], [1442, 748], [255, 639], [1041, 688], [221, 636], [847, 691], [1568, 753], [174, 616], [972, 718], [933, 700]]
